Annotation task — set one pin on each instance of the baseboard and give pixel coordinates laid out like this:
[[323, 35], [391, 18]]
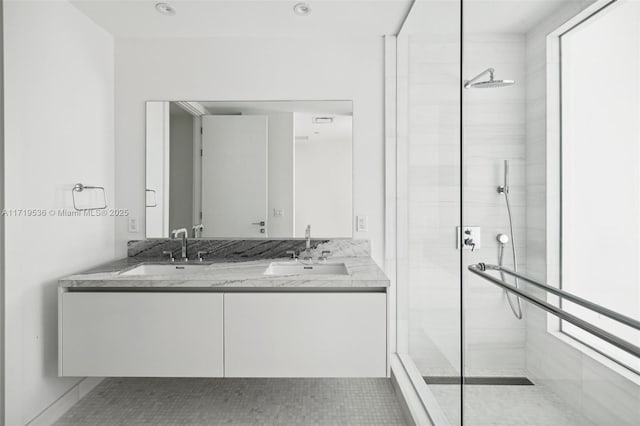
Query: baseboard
[[53, 412]]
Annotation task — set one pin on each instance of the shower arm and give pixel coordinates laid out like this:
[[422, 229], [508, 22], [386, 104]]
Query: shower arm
[[489, 71]]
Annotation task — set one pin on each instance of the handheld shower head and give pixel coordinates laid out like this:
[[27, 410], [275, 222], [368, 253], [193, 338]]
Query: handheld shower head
[[487, 84], [504, 188], [503, 239]]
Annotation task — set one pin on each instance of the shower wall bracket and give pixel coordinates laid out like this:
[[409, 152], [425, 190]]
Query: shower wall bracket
[[468, 237]]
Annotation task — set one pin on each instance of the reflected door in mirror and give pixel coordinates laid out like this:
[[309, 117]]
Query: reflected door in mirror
[[234, 176], [249, 169]]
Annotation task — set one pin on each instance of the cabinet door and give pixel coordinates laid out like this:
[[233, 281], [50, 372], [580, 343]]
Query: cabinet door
[[305, 335], [141, 334]]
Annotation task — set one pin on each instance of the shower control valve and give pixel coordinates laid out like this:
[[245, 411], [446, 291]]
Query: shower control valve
[[468, 238], [469, 242]]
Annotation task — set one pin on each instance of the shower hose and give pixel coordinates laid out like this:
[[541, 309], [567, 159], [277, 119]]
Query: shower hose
[[515, 308]]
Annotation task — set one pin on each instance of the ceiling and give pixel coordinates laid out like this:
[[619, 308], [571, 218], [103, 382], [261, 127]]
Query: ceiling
[[502, 16], [318, 107], [264, 18], [480, 16]]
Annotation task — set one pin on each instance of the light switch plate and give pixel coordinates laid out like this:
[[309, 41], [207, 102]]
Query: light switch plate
[[362, 223], [132, 224], [472, 232]]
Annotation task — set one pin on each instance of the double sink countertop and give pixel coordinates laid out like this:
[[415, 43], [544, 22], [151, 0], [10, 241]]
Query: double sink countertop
[[362, 272]]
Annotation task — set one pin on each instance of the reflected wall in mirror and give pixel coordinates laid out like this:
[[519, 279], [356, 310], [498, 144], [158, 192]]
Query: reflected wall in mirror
[[264, 169]]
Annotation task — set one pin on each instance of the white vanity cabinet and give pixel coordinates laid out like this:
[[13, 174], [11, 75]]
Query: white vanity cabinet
[[148, 334], [274, 334], [222, 334]]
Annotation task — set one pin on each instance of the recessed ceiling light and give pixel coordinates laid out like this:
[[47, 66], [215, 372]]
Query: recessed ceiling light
[[165, 9], [302, 9]]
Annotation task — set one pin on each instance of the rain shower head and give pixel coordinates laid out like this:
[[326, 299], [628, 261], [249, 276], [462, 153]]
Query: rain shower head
[[487, 84], [490, 84]]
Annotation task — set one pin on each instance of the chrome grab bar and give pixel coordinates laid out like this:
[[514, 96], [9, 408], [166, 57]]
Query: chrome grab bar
[[481, 268], [568, 296]]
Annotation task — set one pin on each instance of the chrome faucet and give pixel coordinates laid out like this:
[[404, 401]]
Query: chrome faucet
[[307, 235], [197, 230], [184, 233], [307, 252]]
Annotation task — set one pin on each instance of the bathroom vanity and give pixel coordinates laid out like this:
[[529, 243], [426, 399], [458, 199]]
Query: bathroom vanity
[[247, 310], [222, 318]]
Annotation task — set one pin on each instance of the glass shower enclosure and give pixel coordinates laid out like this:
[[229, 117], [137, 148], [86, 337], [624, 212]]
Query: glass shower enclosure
[[518, 210]]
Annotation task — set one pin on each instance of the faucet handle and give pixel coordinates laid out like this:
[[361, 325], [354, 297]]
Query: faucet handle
[[197, 229], [293, 253], [325, 255], [170, 253], [470, 243], [201, 254]]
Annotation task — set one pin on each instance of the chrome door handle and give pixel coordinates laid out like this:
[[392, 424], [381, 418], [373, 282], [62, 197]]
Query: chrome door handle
[[258, 223]]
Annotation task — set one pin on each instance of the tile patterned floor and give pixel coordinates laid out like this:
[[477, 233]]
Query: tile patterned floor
[[159, 401], [506, 406]]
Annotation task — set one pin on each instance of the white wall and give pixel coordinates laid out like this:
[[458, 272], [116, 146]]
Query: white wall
[[578, 377], [59, 88], [253, 69], [323, 186]]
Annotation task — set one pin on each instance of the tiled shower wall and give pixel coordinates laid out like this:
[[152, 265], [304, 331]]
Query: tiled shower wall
[[433, 202], [494, 131], [600, 393]]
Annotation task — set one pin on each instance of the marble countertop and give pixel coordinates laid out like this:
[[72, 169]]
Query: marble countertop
[[224, 273]]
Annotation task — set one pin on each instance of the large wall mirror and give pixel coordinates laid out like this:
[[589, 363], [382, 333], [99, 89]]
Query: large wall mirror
[[249, 169]]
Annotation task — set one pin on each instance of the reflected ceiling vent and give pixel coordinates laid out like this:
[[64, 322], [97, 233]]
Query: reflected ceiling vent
[[302, 9], [165, 9], [322, 120]]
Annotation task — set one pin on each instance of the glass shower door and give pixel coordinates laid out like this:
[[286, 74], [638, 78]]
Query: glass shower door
[[429, 208]]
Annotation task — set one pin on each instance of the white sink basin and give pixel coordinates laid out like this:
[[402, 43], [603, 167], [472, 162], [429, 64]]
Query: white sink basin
[[295, 268], [173, 269]]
